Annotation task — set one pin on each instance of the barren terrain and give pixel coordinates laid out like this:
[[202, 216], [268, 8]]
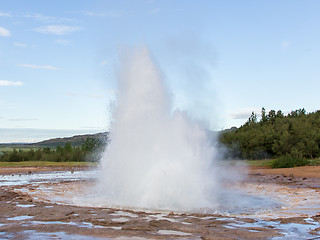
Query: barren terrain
[[28, 212]]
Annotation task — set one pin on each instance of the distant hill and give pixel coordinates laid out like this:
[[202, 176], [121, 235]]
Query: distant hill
[[75, 141]]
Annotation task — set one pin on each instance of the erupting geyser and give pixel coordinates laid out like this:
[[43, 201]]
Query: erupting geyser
[[157, 158]]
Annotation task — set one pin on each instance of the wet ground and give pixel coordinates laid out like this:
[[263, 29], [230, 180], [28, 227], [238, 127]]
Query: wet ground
[[41, 206]]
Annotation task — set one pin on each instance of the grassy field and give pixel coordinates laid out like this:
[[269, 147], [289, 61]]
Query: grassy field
[[10, 149], [268, 162], [259, 163], [47, 164], [251, 163]]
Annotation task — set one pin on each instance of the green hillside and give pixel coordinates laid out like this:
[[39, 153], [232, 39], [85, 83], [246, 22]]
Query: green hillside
[[71, 149], [75, 141]]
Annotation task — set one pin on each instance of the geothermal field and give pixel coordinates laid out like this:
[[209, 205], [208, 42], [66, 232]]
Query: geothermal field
[[160, 177]]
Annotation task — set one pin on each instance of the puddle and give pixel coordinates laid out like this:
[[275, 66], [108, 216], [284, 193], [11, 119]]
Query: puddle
[[120, 219], [261, 202], [53, 222], [5, 235], [115, 228], [171, 232], [34, 235], [230, 227], [82, 224], [25, 205], [45, 177], [265, 201], [162, 216], [126, 214], [89, 225], [186, 223], [289, 230], [241, 200], [130, 238], [20, 218], [271, 201], [296, 230]]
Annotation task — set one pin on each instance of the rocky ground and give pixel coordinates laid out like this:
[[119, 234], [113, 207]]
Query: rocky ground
[[25, 215]]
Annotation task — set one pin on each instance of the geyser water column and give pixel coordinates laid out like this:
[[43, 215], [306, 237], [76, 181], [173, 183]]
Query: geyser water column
[[157, 158]]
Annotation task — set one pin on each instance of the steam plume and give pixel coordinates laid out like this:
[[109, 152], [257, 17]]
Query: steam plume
[[156, 159]]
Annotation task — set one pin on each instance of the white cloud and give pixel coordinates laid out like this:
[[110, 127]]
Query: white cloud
[[103, 63], [10, 83], [17, 44], [4, 32], [49, 67], [154, 11], [57, 29]]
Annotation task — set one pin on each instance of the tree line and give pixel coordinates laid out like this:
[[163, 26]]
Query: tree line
[[275, 135], [88, 151]]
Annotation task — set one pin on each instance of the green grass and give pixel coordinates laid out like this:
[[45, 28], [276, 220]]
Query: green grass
[[251, 163], [259, 163], [47, 164], [314, 162], [6, 149], [269, 163]]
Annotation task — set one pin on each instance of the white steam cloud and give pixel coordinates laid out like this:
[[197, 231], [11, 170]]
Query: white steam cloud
[[156, 159]]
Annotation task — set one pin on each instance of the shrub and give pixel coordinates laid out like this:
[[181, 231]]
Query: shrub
[[314, 162], [289, 161]]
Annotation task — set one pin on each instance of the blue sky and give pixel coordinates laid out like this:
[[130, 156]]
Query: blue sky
[[221, 59]]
